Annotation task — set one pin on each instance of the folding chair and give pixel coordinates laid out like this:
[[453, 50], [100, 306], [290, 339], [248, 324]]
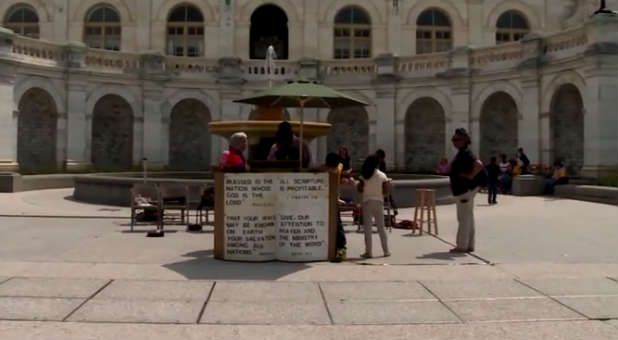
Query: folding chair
[[145, 197], [174, 196]]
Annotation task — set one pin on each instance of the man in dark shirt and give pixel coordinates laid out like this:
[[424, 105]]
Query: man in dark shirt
[[464, 169], [525, 162], [493, 172]]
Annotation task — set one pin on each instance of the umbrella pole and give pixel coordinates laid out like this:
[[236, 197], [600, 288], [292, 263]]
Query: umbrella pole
[[302, 104]]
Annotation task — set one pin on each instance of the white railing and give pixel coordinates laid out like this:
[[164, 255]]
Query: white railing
[[503, 56], [424, 63], [38, 51], [111, 61], [340, 67], [257, 70], [184, 65], [567, 43]]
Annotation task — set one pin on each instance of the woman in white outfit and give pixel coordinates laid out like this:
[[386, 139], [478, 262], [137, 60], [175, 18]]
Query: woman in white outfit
[[374, 185]]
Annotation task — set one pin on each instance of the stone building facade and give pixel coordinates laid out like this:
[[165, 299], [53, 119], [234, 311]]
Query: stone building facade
[[102, 84]]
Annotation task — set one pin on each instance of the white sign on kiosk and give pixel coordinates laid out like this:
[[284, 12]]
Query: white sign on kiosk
[[276, 216]]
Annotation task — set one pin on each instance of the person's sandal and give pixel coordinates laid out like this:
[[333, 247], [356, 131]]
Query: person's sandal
[[366, 256]]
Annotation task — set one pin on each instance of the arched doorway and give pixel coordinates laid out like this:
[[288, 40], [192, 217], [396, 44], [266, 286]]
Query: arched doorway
[[425, 135], [112, 134], [190, 140], [36, 132], [350, 128], [269, 26], [499, 127], [567, 128]]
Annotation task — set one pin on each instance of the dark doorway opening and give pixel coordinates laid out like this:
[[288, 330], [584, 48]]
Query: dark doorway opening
[[269, 26]]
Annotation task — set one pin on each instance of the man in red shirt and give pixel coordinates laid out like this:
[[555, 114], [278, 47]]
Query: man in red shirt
[[233, 160]]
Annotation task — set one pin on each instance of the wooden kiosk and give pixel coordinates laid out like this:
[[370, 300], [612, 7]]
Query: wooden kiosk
[[274, 215]]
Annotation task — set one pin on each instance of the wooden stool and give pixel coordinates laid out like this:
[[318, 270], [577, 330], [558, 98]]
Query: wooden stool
[[426, 202]]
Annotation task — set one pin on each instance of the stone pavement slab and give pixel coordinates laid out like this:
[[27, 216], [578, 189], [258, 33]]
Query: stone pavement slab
[[546, 270], [389, 312], [148, 311], [156, 290], [519, 330], [27, 308], [269, 312], [50, 287], [263, 302], [263, 291], [565, 287], [479, 289], [600, 307], [387, 291], [518, 309], [613, 323]]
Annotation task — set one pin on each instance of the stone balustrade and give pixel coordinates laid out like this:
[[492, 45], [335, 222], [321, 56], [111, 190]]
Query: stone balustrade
[[568, 43], [424, 63], [499, 56], [110, 61], [348, 67], [184, 65], [38, 51], [257, 70], [485, 59]]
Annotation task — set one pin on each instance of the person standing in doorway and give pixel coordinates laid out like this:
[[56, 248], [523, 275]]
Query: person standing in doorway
[[464, 168], [493, 172]]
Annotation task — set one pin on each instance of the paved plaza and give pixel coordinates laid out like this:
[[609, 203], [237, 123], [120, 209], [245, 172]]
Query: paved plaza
[[544, 268]]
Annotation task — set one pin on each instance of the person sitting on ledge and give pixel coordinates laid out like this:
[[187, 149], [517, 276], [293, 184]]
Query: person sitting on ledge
[[559, 177], [233, 160], [287, 146]]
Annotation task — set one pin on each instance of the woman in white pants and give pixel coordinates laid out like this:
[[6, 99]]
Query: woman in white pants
[[374, 185], [464, 169]]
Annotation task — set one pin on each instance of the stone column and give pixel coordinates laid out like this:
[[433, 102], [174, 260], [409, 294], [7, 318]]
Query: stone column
[[310, 30], [600, 121], [385, 87], [60, 20], [295, 40], [155, 125], [394, 28], [229, 111], [461, 115], [142, 25], [531, 136], [8, 116], [78, 137], [227, 27], [475, 16]]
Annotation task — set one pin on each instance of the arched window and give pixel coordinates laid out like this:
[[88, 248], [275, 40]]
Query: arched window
[[433, 32], [352, 33], [23, 20], [511, 26], [102, 28], [185, 32]]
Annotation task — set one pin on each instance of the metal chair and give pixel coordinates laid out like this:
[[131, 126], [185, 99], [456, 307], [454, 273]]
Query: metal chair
[[174, 196], [196, 192], [145, 197]]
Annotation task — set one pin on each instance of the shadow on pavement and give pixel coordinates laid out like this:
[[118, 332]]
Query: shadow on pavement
[[445, 255], [202, 265]]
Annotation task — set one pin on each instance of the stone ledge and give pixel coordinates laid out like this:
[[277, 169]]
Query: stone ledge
[[14, 182], [590, 193]]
